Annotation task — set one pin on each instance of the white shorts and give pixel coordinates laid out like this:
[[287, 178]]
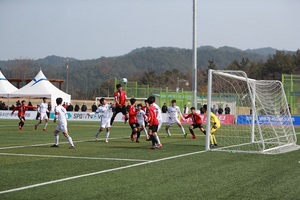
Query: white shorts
[[62, 128], [173, 120], [142, 123], [43, 116], [105, 122]]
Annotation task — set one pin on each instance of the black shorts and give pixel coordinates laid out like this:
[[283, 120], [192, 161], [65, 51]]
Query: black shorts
[[197, 126], [122, 109], [22, 118], [134, 125], [153, 128]]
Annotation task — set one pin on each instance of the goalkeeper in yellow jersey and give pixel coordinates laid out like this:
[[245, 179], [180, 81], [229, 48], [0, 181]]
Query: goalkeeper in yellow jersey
[[214, 126]]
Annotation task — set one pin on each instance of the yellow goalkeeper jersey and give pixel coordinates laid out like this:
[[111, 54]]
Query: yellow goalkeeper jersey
[[214, 119]]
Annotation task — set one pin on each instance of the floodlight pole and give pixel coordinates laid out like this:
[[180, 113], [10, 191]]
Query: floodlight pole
[[194, 70], [67, 85]]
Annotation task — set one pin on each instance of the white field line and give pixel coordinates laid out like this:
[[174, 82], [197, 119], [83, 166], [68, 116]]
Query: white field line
[[96, 173], [75, 141], [72, 157]]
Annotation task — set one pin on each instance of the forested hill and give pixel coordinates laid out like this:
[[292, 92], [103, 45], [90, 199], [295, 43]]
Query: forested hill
[[87, 76]]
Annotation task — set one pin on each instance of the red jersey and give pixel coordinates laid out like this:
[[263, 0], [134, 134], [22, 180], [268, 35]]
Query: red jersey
[[21, 110], [120, 98], [195, 117], [151, 114], [132, 115]]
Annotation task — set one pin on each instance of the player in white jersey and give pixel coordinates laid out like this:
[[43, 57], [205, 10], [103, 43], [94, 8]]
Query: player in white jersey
[[173, 114], [141, 117], [104, 114], [61, 117], [159, 116], [42, 110]]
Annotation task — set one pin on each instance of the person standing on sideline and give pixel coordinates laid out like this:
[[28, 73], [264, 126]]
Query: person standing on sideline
[[120, 99], [227, 110], [21, 113], [214, 126], [164, 108], [104, 113], [185, 109], [61, 117], [76, 108], [197, 122], [173, 114], [94, 107], [43, 109]]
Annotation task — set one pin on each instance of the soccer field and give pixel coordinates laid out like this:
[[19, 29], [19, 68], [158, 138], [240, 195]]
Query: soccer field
[[122, 169]]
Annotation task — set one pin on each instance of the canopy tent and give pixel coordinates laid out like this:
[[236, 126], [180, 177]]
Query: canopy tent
[[40, 86], [6, 87]]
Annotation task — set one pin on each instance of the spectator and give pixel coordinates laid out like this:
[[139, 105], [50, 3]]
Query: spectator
[[70, 107], [30, 104], [227, 110], [94, 107], [164, 108], [220, 110], [214, 109], [76, 109], [83, 107], [185, 110]]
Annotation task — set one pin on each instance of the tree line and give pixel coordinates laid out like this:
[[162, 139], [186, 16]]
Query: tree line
[[156, 67]]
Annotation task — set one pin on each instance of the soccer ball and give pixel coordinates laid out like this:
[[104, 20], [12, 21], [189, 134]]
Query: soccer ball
[[124, 80]]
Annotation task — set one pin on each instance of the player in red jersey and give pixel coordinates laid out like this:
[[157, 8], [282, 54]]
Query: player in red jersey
[[153, 124], [133, 121], [197, 122], [21, 113], [120, 99]]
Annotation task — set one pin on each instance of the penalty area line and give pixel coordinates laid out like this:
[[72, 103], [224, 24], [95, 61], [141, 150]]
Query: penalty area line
[[72, 157], [96, 173]]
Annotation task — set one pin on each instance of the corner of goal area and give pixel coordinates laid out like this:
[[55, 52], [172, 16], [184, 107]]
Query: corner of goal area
[[280, 150]]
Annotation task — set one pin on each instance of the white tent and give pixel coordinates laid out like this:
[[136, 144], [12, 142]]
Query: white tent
[[5, 86], [40, 86]]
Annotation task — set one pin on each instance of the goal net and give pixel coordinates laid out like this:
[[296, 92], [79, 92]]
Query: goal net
[[262, 120]]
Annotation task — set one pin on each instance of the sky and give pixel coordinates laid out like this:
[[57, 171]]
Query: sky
[[89, 29]]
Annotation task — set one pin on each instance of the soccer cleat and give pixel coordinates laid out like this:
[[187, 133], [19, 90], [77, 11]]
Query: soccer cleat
[[147, 138], [21, 128], [185, 134], [137, 140], [215, 145], [169, 135], [44, 129], [55, 145], [35, 127], [159, 146], [194, 137], [106, 140], [72, 147], [152, 147], [95, 138], [132, 138], [125, 121], [212, 145]]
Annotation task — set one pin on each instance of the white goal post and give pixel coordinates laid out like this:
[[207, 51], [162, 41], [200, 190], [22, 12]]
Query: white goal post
[[262, 120]]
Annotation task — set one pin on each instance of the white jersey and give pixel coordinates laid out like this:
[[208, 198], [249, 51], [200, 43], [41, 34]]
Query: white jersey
[[61, 115], [158, 112], [104, 111], [104, 114], [43, 109], [141, 116], [173, 113]]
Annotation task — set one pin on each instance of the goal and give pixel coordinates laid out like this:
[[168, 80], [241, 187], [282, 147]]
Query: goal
[[261, 122]]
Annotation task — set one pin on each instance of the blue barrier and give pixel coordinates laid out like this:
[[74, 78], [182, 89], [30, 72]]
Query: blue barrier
[[263, 119]]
